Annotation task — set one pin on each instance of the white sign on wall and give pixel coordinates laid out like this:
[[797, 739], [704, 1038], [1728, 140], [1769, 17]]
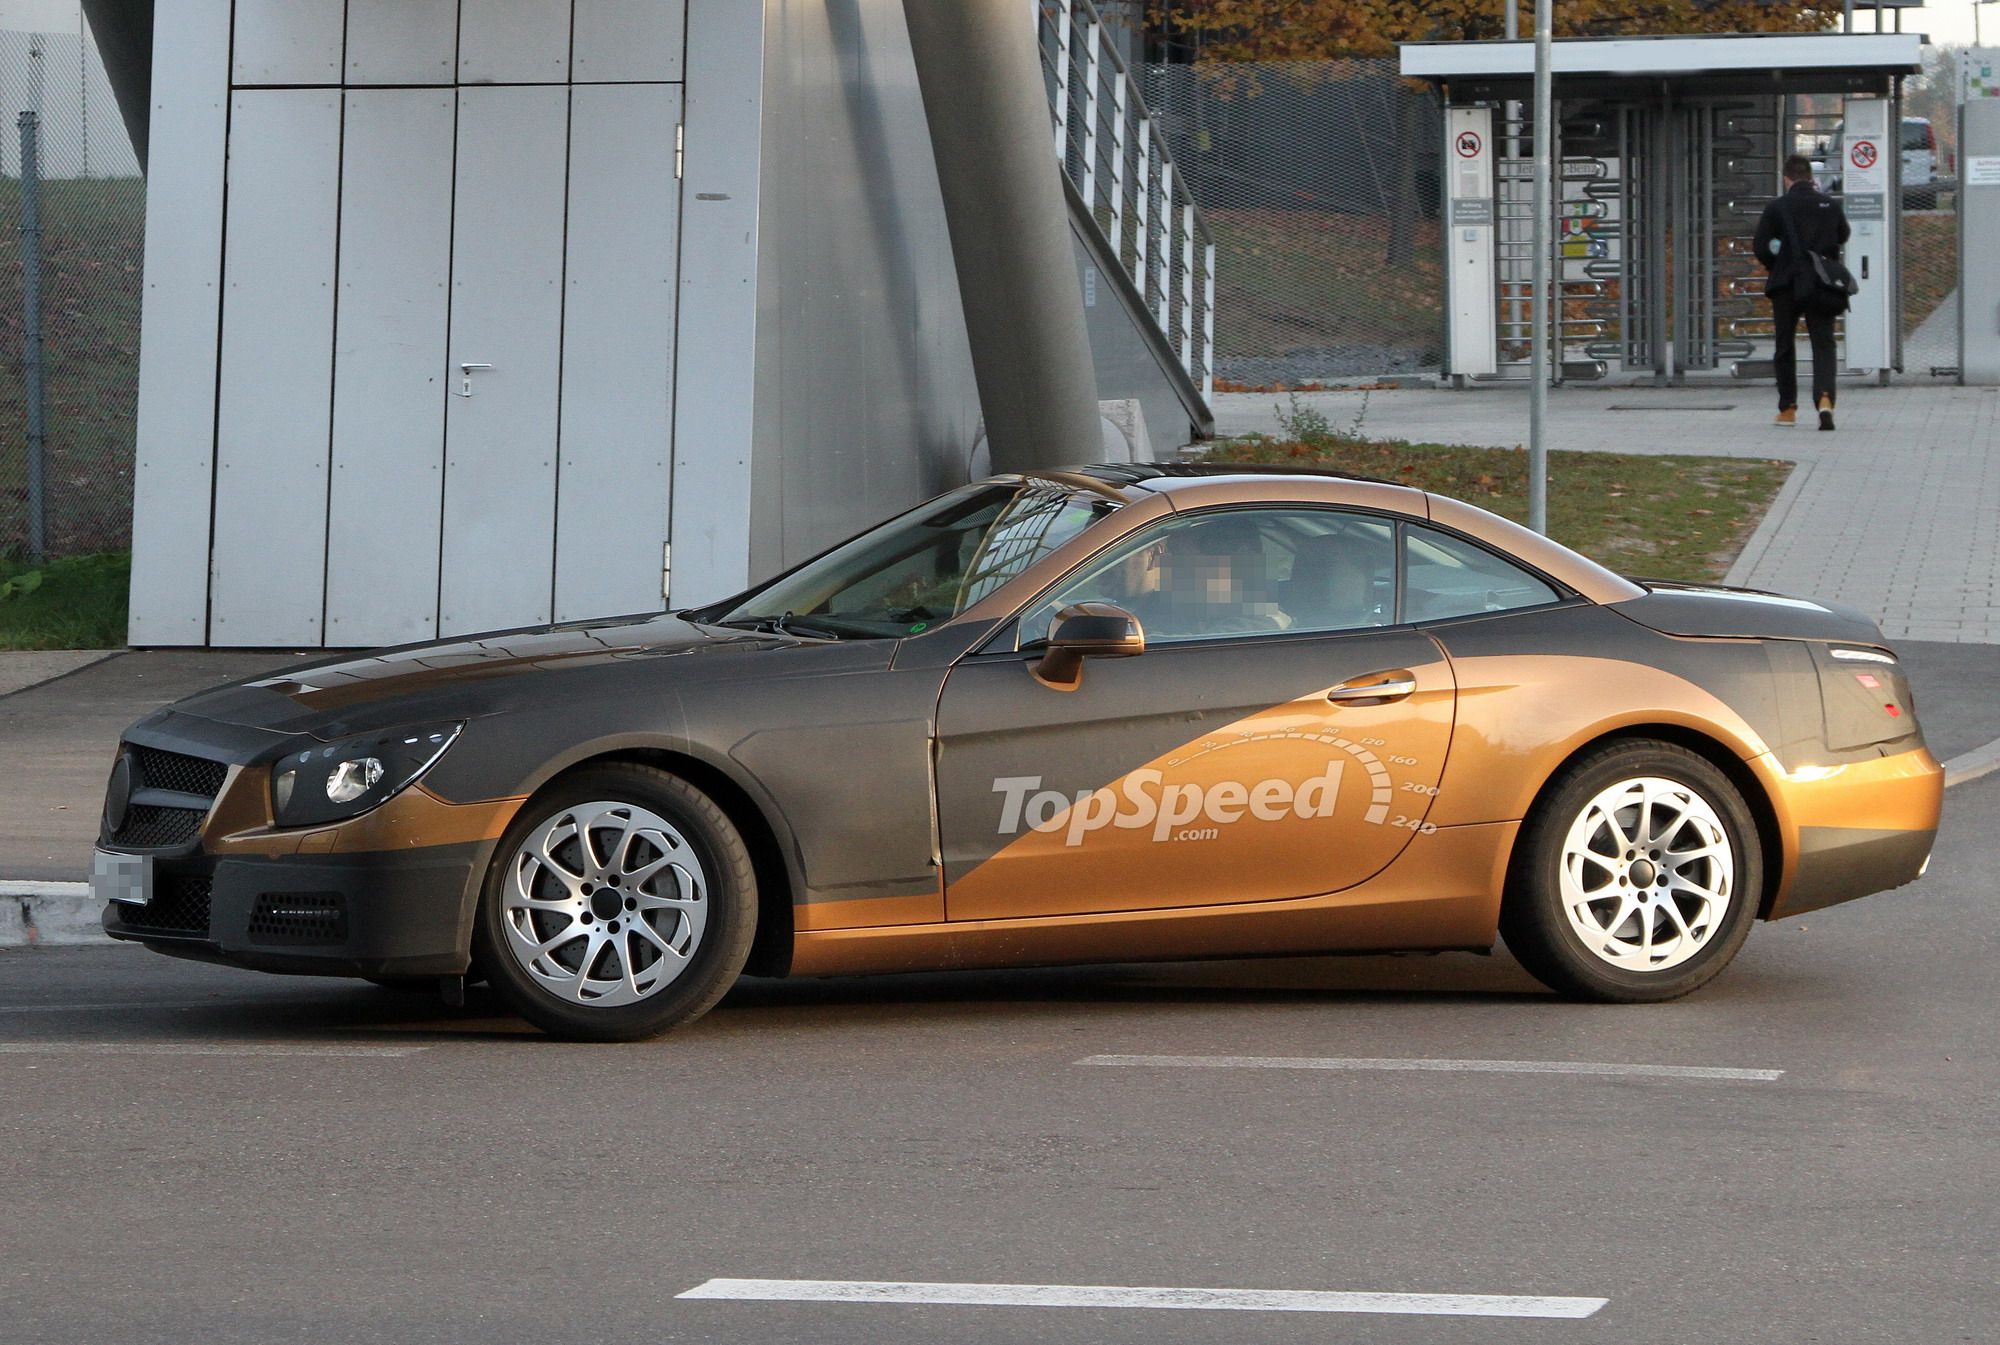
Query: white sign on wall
[[1978, 74], [41, 16]]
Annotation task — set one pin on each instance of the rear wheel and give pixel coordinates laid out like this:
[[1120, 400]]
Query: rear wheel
[[1636, 879], [620, 904]]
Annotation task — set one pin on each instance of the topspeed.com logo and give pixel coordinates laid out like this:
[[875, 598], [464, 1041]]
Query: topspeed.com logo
[[1144, 799]]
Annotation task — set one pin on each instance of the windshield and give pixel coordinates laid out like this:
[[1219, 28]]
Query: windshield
[[924, 567]]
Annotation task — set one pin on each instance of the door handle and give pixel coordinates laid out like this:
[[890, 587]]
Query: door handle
[[466, 371], [1391, 687]]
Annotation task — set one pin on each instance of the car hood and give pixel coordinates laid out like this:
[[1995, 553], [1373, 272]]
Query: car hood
[[1716, 611], [482, 674]]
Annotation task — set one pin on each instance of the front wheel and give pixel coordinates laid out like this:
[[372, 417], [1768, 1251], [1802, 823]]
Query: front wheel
[[620, 904], [1637, 877]]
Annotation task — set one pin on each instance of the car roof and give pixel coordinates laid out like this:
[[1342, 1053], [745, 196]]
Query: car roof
[[1201, 485]]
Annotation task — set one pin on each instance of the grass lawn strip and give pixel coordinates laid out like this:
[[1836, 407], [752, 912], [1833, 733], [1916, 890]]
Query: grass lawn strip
[[77, 603], [1654, 517]]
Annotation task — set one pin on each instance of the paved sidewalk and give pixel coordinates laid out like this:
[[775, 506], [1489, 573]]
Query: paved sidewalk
[[20, 670], [1894, 513]]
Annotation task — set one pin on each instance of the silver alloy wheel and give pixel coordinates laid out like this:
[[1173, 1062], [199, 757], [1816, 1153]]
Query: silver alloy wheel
[[605, 904], [1647, 874]]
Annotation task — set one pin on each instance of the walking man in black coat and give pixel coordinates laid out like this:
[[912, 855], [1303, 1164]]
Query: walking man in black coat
[[1802, 221]]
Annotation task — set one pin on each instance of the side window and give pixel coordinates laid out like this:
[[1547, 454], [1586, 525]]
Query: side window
[[1444, 577], [1241, 572]]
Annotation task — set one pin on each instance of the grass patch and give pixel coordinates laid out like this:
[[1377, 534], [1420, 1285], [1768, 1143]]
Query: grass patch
[[1303, 280], [1659, 517], [77, 603]]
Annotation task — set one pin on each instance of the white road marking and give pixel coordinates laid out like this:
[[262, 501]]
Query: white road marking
[[1457, 1066], [200, 1048], [1113, 1296]]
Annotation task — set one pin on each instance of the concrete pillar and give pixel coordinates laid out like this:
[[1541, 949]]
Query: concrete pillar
[[981, 76], [124, 33]]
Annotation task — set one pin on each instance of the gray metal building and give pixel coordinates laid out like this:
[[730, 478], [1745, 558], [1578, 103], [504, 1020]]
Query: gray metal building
[[470, 314]]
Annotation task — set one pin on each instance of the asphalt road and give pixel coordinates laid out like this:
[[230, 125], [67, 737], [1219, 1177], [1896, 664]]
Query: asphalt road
[[196, 1154]]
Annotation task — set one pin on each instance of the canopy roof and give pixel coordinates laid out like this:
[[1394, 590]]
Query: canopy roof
[[1717, 63]]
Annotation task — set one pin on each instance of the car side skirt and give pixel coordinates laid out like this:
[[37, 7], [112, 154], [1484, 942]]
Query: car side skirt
[[1444, 893]]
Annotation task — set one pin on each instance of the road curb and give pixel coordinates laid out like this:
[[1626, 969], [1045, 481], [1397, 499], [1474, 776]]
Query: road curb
[[48, 915], [1966, 767], [1766, 531]]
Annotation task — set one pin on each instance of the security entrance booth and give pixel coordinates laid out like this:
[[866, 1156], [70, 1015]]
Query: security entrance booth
[[1667, 150]]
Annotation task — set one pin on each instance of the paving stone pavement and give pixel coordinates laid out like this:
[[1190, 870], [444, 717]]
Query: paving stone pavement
[[1897, 512]]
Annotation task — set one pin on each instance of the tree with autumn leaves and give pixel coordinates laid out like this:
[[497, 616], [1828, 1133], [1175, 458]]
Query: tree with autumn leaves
[[1304, 30]]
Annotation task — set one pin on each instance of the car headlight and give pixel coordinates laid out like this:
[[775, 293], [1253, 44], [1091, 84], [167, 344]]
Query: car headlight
[[347, 778]]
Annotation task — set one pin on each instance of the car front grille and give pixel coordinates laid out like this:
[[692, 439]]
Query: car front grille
[[158, 825], [176, 771], [179, 906], [150, 828]]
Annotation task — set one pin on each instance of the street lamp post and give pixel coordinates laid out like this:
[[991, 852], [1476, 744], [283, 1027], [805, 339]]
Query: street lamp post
[[1538, 387]]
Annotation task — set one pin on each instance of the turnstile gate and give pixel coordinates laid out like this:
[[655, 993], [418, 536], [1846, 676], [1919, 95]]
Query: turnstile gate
[[1657, 203]]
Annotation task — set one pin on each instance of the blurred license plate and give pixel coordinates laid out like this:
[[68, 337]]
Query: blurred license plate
[[125, 879]]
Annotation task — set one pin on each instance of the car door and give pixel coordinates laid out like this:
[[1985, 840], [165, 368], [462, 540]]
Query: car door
[[1281, 737]]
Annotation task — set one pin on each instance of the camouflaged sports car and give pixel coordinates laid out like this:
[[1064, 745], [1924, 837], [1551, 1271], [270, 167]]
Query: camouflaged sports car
[[1100, 715]]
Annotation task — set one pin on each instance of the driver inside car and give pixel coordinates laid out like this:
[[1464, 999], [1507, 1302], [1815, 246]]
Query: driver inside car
[[1211, 582]]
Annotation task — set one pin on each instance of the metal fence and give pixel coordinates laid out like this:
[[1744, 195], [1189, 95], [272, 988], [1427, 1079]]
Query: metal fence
[[1125, 175], [1319, 181], [67, 167]]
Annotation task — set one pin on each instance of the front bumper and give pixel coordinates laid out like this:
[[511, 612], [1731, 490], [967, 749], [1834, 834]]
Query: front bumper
[[389, 893], [400, 914]]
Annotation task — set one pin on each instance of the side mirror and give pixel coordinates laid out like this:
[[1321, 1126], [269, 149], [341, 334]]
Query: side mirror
[[1087, 630]]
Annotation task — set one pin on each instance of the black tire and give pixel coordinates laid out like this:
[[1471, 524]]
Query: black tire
[[730, 909], [1533, 918]]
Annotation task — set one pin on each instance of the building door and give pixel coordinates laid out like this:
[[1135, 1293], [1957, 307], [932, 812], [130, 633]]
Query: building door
[[448, 326]]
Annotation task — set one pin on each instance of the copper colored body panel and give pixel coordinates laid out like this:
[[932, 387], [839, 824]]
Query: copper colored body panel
[[1861, 801], [1904, 792], [1295, 800], [869, 912], [1521, 717], [1443, 893]]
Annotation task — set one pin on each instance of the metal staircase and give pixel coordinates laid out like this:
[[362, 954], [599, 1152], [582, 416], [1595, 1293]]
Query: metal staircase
[[1128, 204]]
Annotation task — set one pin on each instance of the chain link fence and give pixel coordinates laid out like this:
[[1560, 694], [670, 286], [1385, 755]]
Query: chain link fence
[[1320, 182], [63, 149]]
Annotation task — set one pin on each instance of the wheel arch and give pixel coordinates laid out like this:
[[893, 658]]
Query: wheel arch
[[1710, 749]]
